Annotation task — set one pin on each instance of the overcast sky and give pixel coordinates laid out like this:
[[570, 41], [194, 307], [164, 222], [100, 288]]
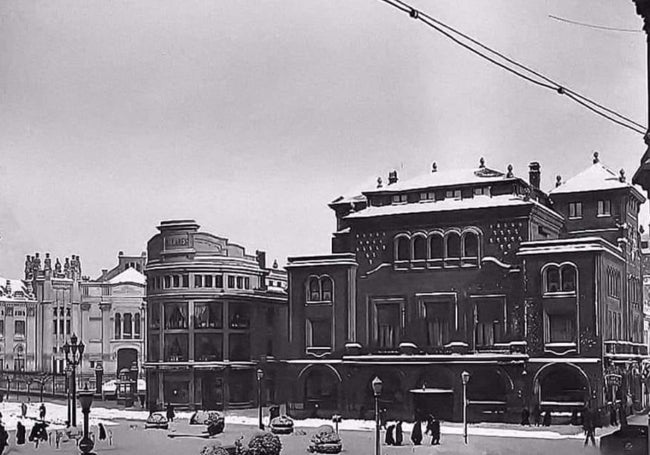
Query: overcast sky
[[250, 116]]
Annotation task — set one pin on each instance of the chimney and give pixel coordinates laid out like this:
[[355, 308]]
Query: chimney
[[392, 177], [622, 176], [596, 159], [534, 174], [558, 181], [509, 175], [104, 273], [434, 167], [261, 259], [379, 183], [8, 287]]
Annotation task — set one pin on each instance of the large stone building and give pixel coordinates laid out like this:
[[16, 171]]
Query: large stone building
[[537, 295], [212, 321], [113, 317]]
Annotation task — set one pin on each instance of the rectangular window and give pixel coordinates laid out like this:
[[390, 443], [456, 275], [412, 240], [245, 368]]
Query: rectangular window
[[19, 328], [399, 198], [604, 207], [490, 323], [575, 210], [388, 325], [239, 316], [437, 323], [428, 196], [208, 281], [240, 282], [176, 315], [67, 326], [480, 191], [176, 347], [240, 347], [198, 281], [56, 325], [2, 327], [61, 326], [186, 281], [231, 281], [208, 347], [208, 315], [319, 333], [168, 281], [561, 328], [176, 281], [453, 194], [247, 283], [218, 281]]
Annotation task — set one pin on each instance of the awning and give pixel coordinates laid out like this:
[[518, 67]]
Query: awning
[[430, 390]]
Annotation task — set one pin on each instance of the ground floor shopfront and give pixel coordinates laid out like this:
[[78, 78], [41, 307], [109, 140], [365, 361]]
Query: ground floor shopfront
[[500, 386], [209, 386]]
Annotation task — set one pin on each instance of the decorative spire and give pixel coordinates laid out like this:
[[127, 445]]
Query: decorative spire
[[379, 183], [481, 162], [434, 167], [596, 159], [509, 175], [622, 176], [558, 181]]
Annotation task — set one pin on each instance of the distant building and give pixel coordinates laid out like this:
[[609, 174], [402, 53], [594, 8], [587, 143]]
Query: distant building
[[212, 320], [17, 326], [536, 295], [113, 316], [645, 269]]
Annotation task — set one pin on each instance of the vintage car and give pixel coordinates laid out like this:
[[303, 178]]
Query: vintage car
[[157, 420], [628, 440]]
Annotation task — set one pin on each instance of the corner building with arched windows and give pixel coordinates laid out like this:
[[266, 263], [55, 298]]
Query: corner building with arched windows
[[537, 295], [212, 321]]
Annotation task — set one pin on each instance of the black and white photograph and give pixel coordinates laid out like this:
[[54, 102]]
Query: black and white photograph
[[368, 227]]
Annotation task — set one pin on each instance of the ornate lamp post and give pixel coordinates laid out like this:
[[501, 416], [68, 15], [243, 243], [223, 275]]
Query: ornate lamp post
[[74, 352], [86, 399], [464, 376], [260, 376], [377, 385]]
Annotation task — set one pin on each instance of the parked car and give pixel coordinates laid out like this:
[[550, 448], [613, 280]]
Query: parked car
[[628, 440], [157, 420]]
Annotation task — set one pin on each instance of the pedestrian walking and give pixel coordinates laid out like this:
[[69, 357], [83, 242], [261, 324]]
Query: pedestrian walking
[[525, 417], [382, 418], [4, 438], [170, 412], [547, 419], [399, 434], [23, 409], [102, 431], [20, 433], [537, 415], [435, 430], [389, 440], [42, 411], [588, 426], [416, 433]]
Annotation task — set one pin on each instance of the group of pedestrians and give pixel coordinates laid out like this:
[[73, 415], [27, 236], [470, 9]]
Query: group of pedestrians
[[395, 433], [544, 419], [36, 435]]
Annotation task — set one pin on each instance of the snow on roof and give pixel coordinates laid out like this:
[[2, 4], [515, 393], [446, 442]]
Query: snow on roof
[[130, 275], [448, 205], [596, 177], [574, 245], [17, 286], [446, 178]]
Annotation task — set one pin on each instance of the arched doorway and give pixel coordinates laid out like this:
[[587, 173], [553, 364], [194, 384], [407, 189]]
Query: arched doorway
[[433, 394], [487, 394], [321, 390], [562, 386], [126, 357]]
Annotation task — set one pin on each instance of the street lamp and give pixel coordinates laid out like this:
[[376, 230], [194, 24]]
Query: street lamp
[[74, 352], [376, 390], [86, 399], [260, 376], [464, 376]]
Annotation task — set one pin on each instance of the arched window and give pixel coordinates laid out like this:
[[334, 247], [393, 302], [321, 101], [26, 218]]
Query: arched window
[[437, 246], [552, 279], [453, 245], [118, 326], [137, 329], [326, 287], [128, 328], [402, 249], [419, 248], [470, 245], [568, 278], [314, 289]]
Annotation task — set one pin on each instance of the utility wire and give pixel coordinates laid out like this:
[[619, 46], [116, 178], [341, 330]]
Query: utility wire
[[550, 84], [599, 27]]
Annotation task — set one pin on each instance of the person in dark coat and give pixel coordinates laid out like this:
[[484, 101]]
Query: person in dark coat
[[622, 415], [588, 426], [435, 431], [20, 433], [399, 434], [537, 415], [416, 434], [390, 441], [613, 421], [4, 438], [102, 431], [547, 419], [574, 417], [382, 418], [525, 417], [170, 412], [42, 411]]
